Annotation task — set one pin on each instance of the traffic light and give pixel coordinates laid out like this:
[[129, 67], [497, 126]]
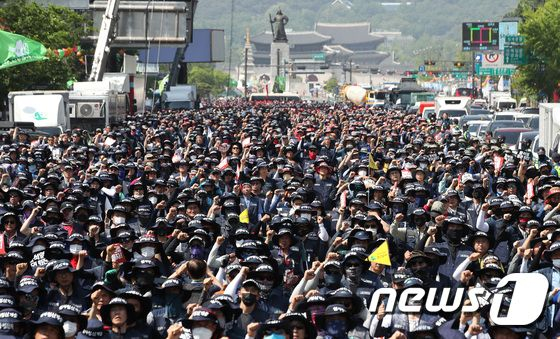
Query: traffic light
[[458, 64], [429, 62]]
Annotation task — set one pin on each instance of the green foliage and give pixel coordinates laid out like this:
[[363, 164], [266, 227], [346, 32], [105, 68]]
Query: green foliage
[[542, 31], [208, 80], [53, 26], [331, 85]]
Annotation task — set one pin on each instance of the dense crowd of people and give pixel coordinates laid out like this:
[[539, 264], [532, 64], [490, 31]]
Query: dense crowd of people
[[244, 220]]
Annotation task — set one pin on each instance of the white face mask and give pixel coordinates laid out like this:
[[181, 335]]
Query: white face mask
[[153, 200], [75, 248], [362, 173], [148, 252], [201, 333], [70, 329], [119, 220]]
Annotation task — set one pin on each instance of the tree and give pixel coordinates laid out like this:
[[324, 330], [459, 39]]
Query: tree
[[542, 33], [53, 26], [331, 85], [208, 80]]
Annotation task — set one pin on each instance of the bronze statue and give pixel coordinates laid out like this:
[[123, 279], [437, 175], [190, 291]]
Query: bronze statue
[[278, 31]]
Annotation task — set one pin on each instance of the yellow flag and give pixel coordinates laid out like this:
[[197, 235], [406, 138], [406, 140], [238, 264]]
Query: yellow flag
[[381, 254], [372, 163], [244, 217]]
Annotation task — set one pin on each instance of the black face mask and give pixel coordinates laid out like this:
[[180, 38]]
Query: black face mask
[[455, 235], [425, 275], [468, 190], [478, 194], [145, 280], [332, 280], [249, 299]]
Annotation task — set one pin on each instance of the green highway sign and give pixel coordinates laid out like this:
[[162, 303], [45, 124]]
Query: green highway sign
[[460, 75], [319, 56], [515, 56], [496, 71], [515, 39]]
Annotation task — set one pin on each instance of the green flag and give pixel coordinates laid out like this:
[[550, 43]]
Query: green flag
[[162, 83], [16, 49]]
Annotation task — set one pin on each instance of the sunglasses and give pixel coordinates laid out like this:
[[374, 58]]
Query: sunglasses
[[10, 222]]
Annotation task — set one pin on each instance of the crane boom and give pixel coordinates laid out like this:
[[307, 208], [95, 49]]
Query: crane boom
[[106, 33]]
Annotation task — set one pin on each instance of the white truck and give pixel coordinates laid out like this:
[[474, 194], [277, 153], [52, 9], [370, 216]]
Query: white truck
[[47, 110], [549, 127], [495, 96], [98, 104]]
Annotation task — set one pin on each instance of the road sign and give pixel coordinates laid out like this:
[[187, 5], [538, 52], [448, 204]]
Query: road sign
[[478, 58], [421, 68], [480, 36], [495, 71], [514, 39], [507, 28], [491, 58], [515, 56], [319, 56]]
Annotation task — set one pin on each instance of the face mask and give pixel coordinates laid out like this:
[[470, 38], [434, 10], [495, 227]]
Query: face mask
[[362, 173], [153, 200], [138, 196], [454, 235], [468, 191], [425, 275], [148, 252], [119, 220], [266, 286], [144, 279], [32, 168], [523, 220], [38, 248], [75, 248], [249, 299], [556, 262], [332, 280], [70, 329], [201, 333], [336, 328]]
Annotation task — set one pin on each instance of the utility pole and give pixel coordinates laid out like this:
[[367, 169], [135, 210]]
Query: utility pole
[[474, 73], [278, 62]]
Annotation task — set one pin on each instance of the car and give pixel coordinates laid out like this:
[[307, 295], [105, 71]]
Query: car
[[480, 111], [533, 123], [508, 115], [494, 125], [530, 110], [474, 126], [510, 135], [466, 118]]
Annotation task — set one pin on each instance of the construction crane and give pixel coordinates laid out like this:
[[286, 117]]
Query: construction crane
[[106, 34]]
